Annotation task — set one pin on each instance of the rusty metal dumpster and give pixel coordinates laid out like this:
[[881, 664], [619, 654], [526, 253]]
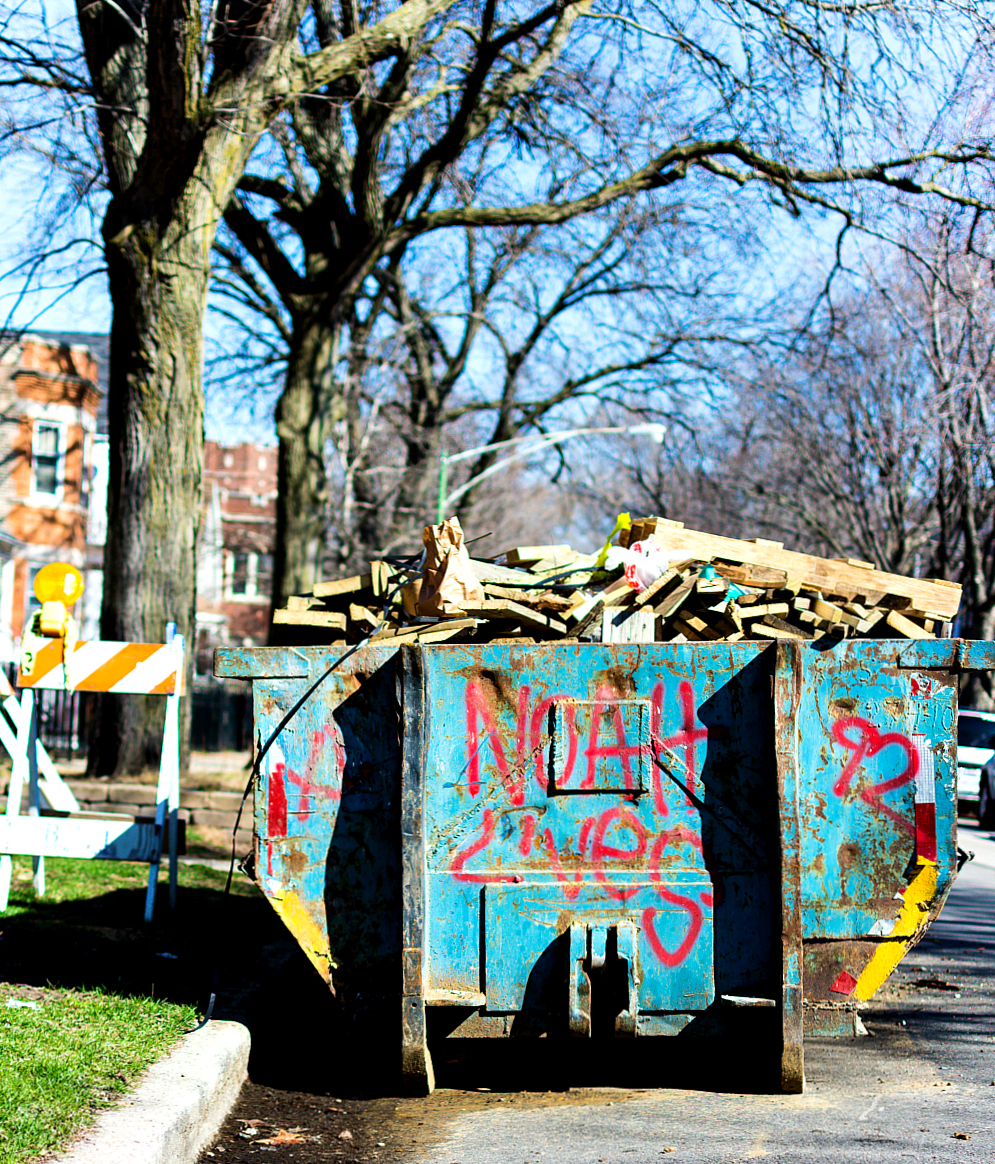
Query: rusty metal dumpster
[[606, 841]]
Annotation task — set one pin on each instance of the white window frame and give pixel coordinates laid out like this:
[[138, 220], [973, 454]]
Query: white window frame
[[252, 592], [60, 468]]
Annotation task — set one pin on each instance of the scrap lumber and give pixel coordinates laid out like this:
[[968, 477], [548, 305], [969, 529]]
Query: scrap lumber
[[721, 590], [342, 586], [515, 610], [831, 577], [323, 618]]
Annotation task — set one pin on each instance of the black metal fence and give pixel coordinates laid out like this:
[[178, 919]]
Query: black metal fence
[[221, 719]]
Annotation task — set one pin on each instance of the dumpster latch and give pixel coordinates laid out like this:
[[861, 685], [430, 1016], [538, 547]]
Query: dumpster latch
[[603, 980]]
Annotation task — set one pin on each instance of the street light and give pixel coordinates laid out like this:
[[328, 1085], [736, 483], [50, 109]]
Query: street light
[[655, 432]]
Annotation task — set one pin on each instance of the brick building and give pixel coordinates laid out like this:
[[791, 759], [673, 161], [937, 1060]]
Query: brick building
[[236, 551], [53, 496], [52, 469]]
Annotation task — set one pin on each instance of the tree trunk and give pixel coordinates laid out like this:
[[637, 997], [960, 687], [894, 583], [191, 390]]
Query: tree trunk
[[304, 415], [156, 415]]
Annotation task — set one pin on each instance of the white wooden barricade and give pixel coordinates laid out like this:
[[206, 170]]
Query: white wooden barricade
[[65, 831]]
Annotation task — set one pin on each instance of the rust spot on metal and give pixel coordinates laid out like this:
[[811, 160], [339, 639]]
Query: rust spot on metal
[[619, 679], [296, 862], [843, 705], [895, 707]]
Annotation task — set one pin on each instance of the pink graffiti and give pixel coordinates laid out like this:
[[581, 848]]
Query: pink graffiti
[[862, 738], [621, 818], [693, 909], [483, 730]]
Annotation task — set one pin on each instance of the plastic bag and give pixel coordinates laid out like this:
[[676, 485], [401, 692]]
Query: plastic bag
[[644, 562]]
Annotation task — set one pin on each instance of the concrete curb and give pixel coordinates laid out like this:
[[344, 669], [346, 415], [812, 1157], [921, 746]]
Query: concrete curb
[[178, 1106]]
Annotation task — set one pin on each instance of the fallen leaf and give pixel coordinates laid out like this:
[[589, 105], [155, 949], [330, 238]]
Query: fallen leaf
[[285, 1136], [346, 1135], [961, 1136]]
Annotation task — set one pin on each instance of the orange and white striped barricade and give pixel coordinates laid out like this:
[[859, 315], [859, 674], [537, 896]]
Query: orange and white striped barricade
[[62, 830]]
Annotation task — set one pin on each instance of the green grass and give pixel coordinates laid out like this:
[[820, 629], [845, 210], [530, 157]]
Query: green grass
[[62, 1062], [113, 994], [69, 881]]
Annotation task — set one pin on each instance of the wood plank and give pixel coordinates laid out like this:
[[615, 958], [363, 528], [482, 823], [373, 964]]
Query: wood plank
[[515, 612], [906, 627], [818, 573], [541, 599], [773, 632], [593, 612], [363, 614], [303, 602], [436, 632], [342, 586], [761, 609], [381, 578], [858, 562], [527, 555], [668, 581], [675, 600], [501, 575], [326, 618], [630, 626]]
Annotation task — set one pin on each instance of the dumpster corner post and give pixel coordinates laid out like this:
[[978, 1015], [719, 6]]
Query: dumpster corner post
[[787, 683], [418, 1076]]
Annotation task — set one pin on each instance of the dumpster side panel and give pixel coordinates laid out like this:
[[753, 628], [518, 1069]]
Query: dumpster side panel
[[588, 788], [878, 809], [327, 749]]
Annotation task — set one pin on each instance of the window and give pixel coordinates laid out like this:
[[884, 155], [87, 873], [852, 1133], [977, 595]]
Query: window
[[46, 459], [32, 604], [264, 575], [249, 575], [240, 574]]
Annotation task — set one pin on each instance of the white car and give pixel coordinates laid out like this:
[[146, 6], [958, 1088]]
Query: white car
[[976, 762]]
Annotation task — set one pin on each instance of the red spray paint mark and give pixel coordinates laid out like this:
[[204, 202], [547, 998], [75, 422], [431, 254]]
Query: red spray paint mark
[[477, 846], [536, 733], [571, 883], [686, 738], [621, 750], [621, 818], [528, 835], [693, 909], [868, 741], [477, 711]]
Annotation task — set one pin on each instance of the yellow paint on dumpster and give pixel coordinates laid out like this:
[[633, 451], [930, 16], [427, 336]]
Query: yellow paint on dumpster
[[310, 936], [919, 896]]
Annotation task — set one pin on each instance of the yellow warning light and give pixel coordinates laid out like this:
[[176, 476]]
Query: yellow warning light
[[58, 582]]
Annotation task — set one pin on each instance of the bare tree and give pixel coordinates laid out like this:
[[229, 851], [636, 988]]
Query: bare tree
[[435, 143]]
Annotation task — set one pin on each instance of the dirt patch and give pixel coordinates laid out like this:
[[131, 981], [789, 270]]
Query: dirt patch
[[326, 1127]]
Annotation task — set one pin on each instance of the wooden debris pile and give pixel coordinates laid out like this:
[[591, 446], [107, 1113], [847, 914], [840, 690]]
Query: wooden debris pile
[[717, 590]]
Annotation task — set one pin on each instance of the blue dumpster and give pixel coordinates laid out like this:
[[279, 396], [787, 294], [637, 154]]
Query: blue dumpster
[[607, 841]]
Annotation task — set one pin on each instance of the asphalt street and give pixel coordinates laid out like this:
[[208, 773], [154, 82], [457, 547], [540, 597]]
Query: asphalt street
[[920, 1088]]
